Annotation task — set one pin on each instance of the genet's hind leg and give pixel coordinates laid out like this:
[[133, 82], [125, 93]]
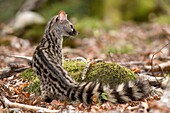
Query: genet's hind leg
[[45, 94]]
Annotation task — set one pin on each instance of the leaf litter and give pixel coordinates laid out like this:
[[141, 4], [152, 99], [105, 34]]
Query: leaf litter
[[145, 40]]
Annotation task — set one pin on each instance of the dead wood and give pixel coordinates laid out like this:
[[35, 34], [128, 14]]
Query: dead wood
[[128, 64], [10, 104], [12, 69], [156, 81], [160, 67]]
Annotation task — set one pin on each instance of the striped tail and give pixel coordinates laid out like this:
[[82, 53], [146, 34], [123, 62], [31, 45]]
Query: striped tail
[[94, 92]]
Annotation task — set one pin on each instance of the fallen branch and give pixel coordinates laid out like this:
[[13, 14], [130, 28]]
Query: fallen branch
[[28, 59], [160, 67], [12, 69], [156, 81], [164, 58], [8, 103], [153, 59], [128, 64]]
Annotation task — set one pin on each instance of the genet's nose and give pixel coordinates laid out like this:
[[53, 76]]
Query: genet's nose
[[75, 32]]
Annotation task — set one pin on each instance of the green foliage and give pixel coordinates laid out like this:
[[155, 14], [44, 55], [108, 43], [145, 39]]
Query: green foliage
[[88, 16], [70, 42], [121, 49], [34, 33], [137, 10], [104, 96], [8, 8], [109, 10], [95, 8], [163, 19], [89, 25], [53, 7], [4, 42]]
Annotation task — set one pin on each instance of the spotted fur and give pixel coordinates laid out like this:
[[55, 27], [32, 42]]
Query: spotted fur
[[56, 83]]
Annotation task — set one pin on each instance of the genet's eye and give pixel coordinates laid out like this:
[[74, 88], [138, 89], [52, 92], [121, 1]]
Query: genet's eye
[[71, 26]]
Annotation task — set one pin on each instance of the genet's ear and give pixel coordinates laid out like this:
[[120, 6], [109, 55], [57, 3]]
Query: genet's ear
[[62, 16]]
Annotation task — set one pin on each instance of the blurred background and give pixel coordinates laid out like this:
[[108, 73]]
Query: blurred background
[[105, 26], [89, 15]]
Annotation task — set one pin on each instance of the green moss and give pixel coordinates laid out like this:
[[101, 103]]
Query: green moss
[[28, 74], [107, 73], [75, 69], [34, 81], [111, 73]]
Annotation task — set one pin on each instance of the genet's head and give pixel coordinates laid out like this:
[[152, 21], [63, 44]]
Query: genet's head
[[61, 24]]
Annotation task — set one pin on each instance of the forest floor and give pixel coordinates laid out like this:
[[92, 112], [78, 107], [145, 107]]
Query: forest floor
[[129, 43]]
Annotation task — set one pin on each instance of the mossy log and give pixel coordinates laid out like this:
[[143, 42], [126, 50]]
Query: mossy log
[[107, 73]]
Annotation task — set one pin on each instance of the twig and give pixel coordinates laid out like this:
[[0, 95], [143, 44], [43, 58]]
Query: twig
[[164, 58], [153, 59], [12, 70], [163, 66], [128, 64], [162, 80], [110, 56], [22, 57], [28, 59], [87, 67], [76, 59], [8, 103]]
